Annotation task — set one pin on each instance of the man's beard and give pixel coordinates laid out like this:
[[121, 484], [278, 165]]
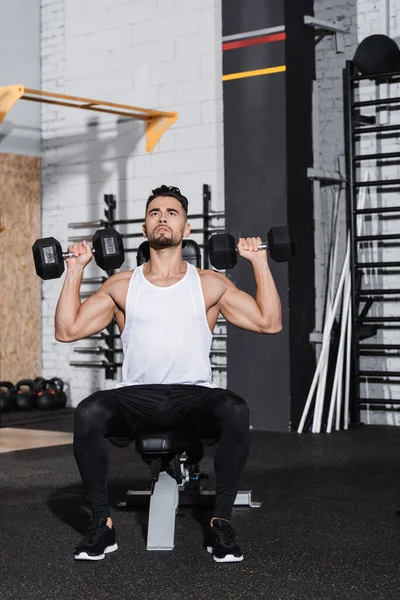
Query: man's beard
[[161, 242]]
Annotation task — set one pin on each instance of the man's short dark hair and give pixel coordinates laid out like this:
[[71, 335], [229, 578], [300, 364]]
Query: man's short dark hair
[[169, 190]]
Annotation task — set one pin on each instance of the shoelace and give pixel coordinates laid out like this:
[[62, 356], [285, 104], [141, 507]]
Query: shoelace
[[225, 535]]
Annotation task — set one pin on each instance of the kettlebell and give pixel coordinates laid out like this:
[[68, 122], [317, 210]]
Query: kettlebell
[[61, 397], [24, 394], [40, 384], [7, 396], [46, 396]]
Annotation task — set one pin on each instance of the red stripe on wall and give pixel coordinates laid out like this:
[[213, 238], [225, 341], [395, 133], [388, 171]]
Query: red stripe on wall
[[263, 39]]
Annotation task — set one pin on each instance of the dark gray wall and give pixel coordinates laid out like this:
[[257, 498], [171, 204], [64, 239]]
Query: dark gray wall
[[268, 147], [20, 52], [255, 200], [300, 61]]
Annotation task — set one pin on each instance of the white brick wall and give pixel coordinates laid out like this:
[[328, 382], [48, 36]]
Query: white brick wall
[[362, 18], [154, 53]]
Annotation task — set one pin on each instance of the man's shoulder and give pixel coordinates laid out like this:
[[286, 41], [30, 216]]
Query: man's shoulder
[[208, 274], [211, 274], [117, 279], [122, 275], [214, 279]]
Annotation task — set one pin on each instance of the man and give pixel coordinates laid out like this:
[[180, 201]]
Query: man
[[166, 311]]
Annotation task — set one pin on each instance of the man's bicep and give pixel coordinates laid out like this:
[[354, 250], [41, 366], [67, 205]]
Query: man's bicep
[[240, 309], [94, 315]]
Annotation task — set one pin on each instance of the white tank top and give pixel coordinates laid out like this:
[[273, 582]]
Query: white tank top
[[166, 338]]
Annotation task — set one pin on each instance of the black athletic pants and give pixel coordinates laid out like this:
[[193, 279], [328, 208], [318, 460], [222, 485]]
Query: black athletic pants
[[128, 411]]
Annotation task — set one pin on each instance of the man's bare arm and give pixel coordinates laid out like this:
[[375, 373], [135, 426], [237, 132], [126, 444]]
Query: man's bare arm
[[75, 320], [262, 314]]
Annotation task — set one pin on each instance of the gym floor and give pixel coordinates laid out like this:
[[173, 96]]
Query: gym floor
[[327, 528]]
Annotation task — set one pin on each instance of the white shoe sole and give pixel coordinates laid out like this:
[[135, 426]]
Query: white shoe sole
[[227, 558], [85, 556]]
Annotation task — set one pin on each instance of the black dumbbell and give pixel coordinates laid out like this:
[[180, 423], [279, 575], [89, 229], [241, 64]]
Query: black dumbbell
[[223, 252], [108, 250]]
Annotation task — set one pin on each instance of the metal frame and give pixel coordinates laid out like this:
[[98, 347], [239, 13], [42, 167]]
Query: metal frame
[[363, 326], [157, 121], [326, 28]]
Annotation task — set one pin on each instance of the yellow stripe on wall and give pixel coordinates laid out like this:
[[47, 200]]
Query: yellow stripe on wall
[[256, 73]]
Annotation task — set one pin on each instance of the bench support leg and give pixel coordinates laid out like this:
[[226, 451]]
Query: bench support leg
[[162, 512]]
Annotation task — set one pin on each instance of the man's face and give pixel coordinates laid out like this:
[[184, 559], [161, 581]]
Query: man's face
[[165, 223]]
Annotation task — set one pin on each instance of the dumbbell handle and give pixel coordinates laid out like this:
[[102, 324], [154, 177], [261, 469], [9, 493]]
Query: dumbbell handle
[[262, 246], [71, 255]]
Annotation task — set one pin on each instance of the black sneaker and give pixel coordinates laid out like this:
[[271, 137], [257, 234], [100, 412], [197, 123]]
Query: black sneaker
[[99, 541], [221, 542]]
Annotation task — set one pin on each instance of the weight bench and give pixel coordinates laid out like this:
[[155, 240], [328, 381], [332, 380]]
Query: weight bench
[[174, 458]]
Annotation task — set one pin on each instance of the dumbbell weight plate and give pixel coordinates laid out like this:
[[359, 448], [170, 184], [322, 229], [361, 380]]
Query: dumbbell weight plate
[[281, 244], [109, 249], [48, 258], [222, 251]]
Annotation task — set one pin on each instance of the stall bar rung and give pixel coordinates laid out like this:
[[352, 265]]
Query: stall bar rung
[[378, 400], [384, 325], [384, 271], [379, 347], [376, 265], [376, 353], [392, 77], [103, 336], [96, 349], [376, 129], [378, 374], [376, 210], [381, 237], [377, 102], [377, 298], [381, 320], [93, 363], [386, 380], [377, 183], [381, 156], [378, 292], [94, 280]]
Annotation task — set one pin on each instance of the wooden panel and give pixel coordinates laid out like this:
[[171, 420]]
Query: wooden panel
[[19, 284]]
